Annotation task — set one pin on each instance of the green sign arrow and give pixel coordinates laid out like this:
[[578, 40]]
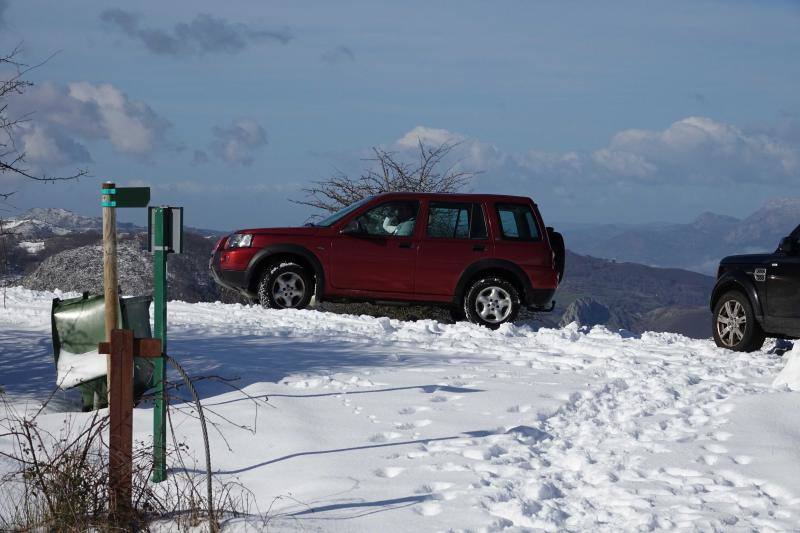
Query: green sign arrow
[[126, 197]]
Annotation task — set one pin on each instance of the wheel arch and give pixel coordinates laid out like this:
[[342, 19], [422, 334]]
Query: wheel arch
[[288, 252], [497, 267], [738, 282]]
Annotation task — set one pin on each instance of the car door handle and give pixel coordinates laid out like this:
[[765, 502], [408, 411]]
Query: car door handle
[[479, 248], [405, 245]]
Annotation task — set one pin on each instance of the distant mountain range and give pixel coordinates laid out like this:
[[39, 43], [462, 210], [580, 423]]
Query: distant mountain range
[[696, 246], [45, 222]]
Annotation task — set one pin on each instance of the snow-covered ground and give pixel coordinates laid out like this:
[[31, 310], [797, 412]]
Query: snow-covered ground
[[380, 425]]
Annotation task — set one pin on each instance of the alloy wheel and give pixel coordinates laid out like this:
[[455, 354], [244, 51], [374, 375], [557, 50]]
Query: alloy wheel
[[288, 289], [731, 323], [493, 304]]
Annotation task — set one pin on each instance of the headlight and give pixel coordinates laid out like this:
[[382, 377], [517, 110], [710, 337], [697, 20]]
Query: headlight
[[240, 240]]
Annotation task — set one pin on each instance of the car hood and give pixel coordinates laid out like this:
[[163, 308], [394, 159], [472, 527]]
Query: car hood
[[746, 259], [303, 230]]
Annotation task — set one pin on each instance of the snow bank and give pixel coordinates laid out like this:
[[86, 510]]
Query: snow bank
[[32, 247], [790, 375]]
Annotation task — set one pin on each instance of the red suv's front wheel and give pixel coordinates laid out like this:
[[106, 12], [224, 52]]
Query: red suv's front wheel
[[285, 286], [491, 302]]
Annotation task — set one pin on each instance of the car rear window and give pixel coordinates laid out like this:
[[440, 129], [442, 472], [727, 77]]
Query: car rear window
[[448, 220], [517, 222]]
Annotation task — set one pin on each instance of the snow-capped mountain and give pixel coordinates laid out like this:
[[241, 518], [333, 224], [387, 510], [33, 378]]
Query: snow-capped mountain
[[44, 222]]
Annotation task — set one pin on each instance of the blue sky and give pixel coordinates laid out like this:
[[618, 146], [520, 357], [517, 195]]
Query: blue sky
[[601, 111]]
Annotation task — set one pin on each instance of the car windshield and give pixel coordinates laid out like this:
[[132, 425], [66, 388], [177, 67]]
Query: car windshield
[[337, 216]]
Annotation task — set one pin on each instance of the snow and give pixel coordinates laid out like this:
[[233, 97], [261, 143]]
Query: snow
[[31, 247], [352, 423], [74, 369], [789, 377]]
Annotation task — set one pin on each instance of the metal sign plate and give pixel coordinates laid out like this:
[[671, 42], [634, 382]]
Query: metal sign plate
[[126, 197], [172, 228]]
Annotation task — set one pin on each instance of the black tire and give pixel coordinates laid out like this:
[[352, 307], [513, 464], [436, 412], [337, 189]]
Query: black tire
[[457, 314], [559, 251], [285, 286], [492, 309], [734, 324]]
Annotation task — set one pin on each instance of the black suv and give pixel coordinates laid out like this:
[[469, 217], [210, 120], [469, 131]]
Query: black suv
[[758, 295]]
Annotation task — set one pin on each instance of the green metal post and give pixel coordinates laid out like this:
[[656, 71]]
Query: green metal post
[[160, 331]]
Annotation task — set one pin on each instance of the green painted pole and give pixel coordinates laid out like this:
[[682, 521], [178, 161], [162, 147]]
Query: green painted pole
[[160, 323]]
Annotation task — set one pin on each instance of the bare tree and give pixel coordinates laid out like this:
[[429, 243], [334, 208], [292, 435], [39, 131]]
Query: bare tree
[[12, 160], [388, 173]]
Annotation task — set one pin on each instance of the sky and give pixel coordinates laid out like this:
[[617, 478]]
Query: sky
[[602, 112]]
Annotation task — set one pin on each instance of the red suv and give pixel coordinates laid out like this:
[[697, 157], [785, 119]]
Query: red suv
[[483, 256]]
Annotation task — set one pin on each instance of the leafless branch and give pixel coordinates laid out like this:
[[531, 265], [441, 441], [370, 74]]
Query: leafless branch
[[386, 172], [12, 159]]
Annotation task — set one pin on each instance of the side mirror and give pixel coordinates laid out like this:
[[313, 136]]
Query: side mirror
[[789, 246], [352, 228]]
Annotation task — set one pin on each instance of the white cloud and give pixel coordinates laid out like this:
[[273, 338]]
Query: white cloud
[[693, 151], [60, 116], [131, 126], [432, 136], [51, 146], [236, 143]]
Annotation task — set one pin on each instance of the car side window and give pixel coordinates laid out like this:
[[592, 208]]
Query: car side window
[[517, 222], [392, 218], [448, 220]]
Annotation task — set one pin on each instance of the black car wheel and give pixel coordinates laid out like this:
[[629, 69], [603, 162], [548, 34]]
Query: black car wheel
[[457, 314], [286, 286], [491, 302], [734, 323]]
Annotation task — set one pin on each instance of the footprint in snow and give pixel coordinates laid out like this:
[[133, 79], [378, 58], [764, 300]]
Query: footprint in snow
[[389, 471], [428, 509], [709, 459], [412, 425], [432, 487], [385, 436], [716, 448]]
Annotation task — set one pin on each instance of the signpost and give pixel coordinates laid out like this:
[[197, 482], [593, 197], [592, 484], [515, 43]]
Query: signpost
[[110, 279], [165, 231], [119, 346], [121, 350]]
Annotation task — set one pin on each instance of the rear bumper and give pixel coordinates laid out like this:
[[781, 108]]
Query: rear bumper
[[539, 299]]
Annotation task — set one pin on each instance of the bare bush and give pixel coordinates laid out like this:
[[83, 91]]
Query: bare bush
[[59, 481], [388, 173]]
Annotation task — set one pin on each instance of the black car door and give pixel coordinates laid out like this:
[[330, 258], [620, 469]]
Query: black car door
[[783, 291]]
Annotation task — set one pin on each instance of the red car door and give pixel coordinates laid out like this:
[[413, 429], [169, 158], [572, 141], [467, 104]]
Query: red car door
[[454, 237], [377, 250]]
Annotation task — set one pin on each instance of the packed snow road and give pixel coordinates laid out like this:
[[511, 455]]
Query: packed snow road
[[375, 424]]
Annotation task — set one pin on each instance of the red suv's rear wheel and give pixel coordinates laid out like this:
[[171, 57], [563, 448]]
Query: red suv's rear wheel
[[491, 302], [286, 286]]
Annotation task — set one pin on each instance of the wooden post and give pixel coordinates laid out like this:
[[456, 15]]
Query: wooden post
[[110, 277], [121, 350], [120, 438]]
